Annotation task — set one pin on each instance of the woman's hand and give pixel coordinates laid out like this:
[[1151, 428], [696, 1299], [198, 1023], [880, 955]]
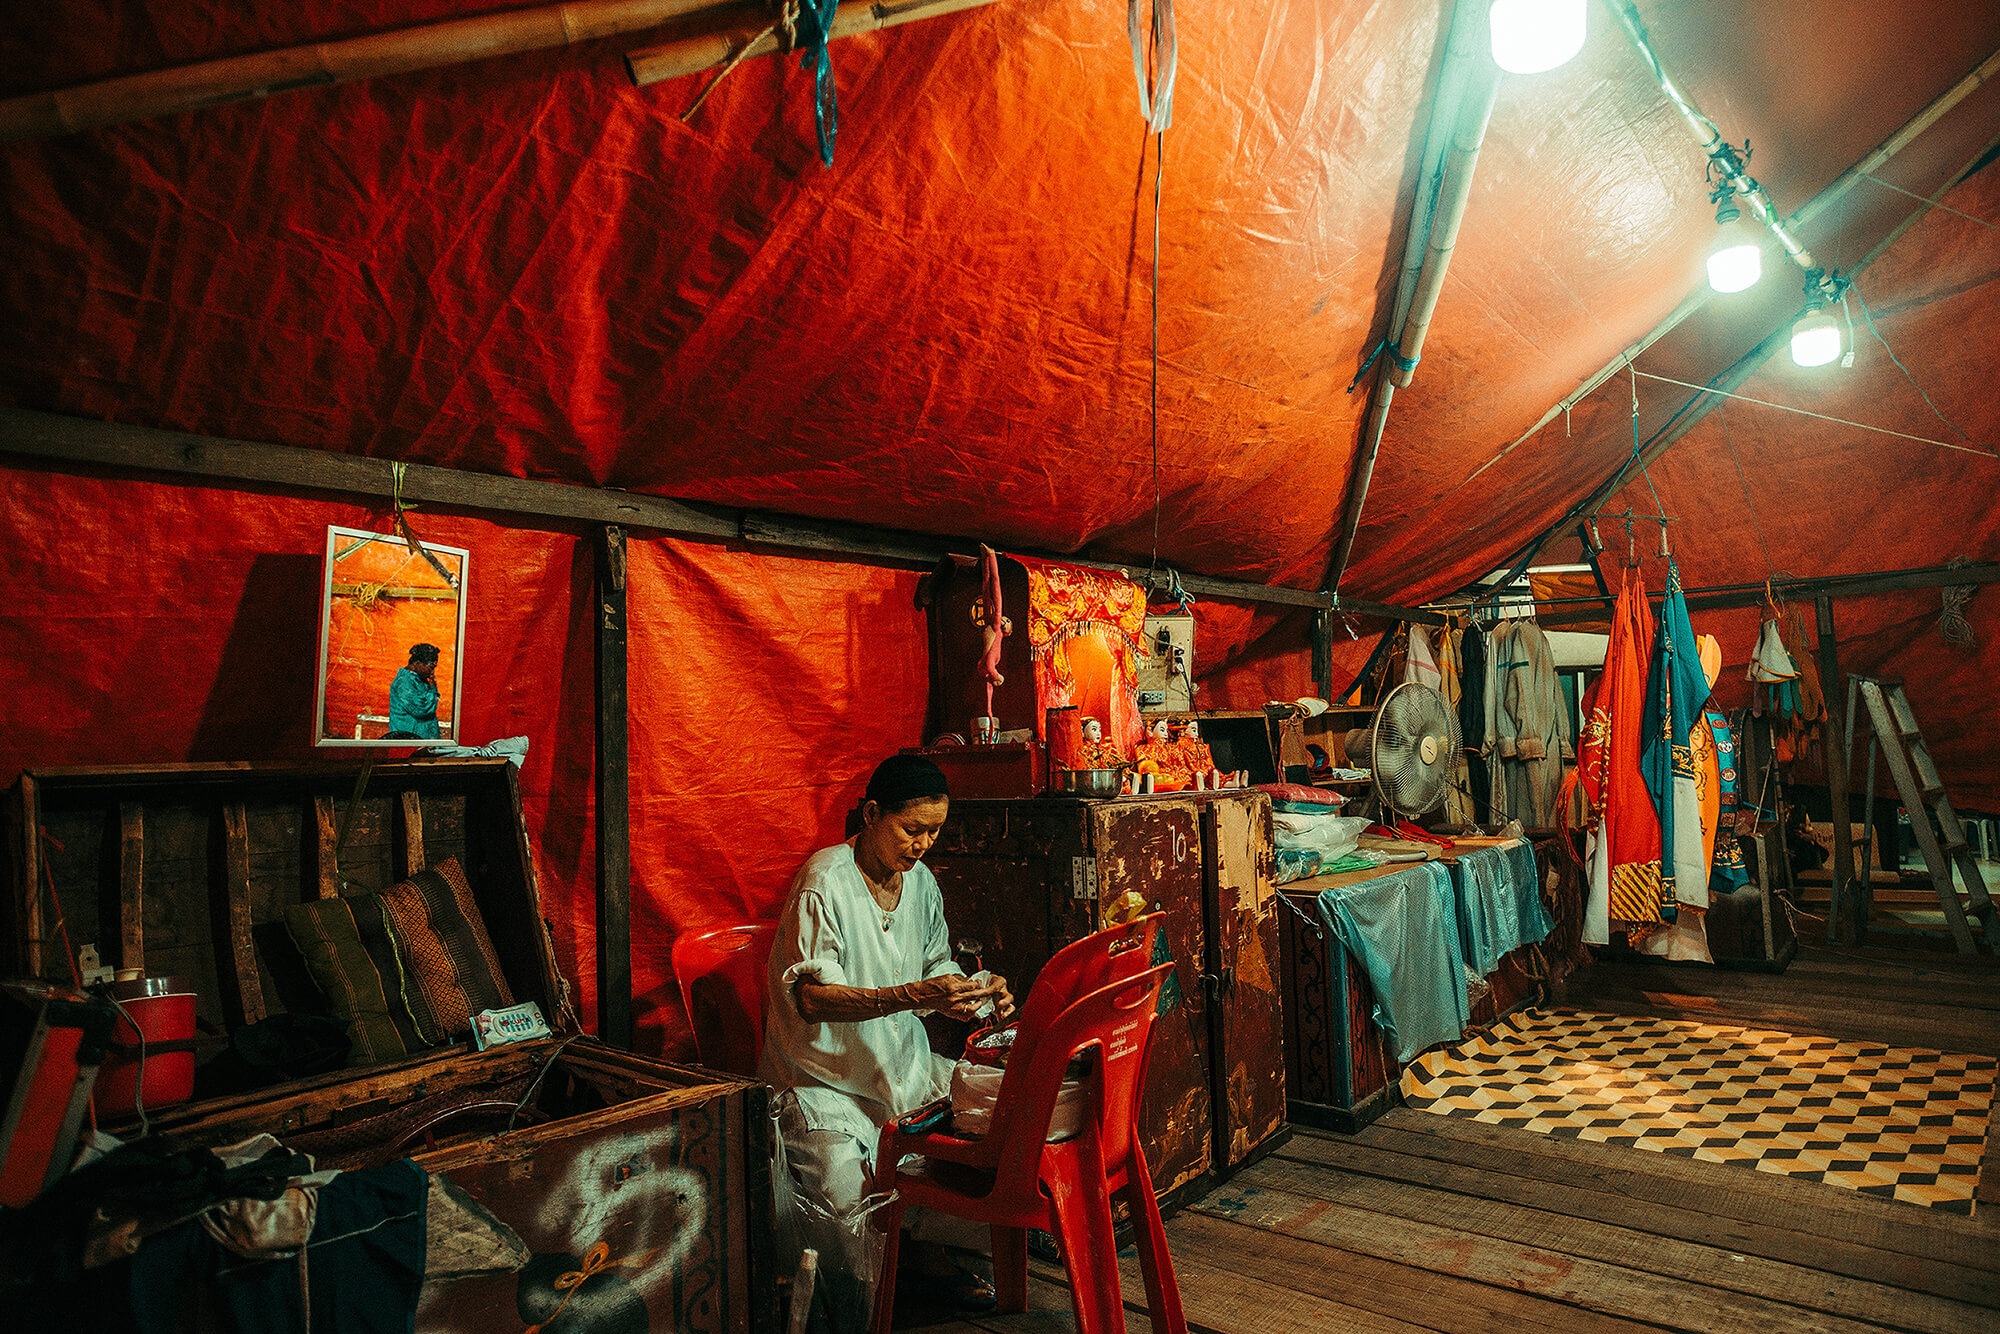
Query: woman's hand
[[966, 999]]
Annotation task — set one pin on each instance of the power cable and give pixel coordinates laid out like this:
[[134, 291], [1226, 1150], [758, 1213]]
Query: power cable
[[1770, 566], [1869, 316], [1820, 416]]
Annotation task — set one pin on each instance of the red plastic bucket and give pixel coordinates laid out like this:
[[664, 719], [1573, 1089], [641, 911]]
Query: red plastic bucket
[[163, 1008]]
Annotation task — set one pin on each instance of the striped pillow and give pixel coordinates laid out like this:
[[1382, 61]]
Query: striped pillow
[[350, 947], [443, 937]]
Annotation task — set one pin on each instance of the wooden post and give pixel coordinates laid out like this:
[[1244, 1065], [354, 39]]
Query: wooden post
[[614, 797], [1322, 658], [413, 834], [131, 885], [1836, 771], [236, 962]]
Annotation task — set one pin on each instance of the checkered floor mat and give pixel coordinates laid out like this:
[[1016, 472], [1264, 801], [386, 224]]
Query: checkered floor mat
[[1903, 1124]]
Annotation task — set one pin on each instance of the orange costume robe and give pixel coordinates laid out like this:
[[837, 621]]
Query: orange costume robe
[[1624, 846]]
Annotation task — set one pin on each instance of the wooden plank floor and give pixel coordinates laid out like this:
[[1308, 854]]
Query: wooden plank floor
[[1428, 1223]]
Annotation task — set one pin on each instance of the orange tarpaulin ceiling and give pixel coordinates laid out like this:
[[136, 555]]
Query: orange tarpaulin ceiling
[[527, 266]]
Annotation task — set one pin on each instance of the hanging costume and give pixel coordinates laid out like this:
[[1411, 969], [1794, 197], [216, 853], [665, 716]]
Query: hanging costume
[[1472, 719], [1624, 845], [1727, 870], [1457, 795], [1533, 727], [1676, 694]]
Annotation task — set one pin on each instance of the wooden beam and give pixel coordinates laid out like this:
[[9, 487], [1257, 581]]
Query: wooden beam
[[318, 64], [413, 832], [614, 798], [49, 436], [1571, 610], [326, 841], [242, 986], [751, 31], [28, 894]]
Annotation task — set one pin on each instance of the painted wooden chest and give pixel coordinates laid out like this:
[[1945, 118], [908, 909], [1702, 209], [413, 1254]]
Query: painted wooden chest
[[640, 1187]]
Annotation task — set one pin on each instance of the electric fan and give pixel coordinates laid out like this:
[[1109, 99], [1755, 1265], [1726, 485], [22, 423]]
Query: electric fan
[[1410, 748]]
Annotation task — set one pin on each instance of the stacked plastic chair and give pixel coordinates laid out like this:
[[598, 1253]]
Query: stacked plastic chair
[[721, 976], [1096, 999]]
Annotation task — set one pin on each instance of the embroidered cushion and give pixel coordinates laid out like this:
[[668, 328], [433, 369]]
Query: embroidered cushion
[[450, 957], [349, 946]]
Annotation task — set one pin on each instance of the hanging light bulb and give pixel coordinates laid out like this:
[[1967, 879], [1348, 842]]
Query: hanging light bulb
[[1530, 36], [1815, 339], [1737, 260]]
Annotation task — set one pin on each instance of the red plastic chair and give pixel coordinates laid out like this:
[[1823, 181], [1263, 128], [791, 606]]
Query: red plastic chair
[[1083, 966], [1013, 1180], [721, 976]]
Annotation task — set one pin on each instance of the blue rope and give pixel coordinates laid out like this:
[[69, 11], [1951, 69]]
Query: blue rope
[[815, 28]]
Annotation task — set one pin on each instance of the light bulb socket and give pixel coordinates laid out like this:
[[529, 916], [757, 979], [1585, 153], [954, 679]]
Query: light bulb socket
[[1726, 211]]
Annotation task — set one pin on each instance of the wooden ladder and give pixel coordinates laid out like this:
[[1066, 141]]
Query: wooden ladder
[[1894, 733]]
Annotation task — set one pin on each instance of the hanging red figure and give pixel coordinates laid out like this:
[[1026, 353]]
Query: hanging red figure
[[996, 625]]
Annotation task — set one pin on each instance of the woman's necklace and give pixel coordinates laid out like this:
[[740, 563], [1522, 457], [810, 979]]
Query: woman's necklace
[[892, 884]]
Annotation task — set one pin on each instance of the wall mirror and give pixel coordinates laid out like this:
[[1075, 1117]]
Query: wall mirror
[[391, 640]]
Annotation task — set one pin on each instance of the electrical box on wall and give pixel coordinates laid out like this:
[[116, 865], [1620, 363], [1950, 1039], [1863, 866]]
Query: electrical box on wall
[[1166, 671]]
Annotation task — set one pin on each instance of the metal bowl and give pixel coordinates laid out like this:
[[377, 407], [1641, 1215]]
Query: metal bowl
[[1089, 782]]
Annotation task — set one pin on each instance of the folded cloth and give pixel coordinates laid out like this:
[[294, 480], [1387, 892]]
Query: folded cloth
[[1329, 835], [1403, 931]]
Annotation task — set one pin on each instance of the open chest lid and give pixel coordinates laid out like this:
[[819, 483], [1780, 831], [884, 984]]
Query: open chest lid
[[186, 871]]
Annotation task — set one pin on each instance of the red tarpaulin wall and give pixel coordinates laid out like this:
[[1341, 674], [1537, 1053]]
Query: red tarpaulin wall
[[151, 622]]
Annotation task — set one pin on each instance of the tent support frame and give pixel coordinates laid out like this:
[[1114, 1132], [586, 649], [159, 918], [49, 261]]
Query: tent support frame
[[51, 436]]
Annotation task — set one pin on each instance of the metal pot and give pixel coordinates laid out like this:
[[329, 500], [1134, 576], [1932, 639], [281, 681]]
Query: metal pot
[[1088, 782]]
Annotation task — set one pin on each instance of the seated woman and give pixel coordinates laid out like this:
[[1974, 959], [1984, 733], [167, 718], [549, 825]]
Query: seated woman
[[862, 950]]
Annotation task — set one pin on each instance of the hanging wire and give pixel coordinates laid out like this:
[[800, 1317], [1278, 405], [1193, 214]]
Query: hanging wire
[[1925, 199], [1159, 170], [1869, 317], [1770, 566], [1638, 457], [1821, 416]]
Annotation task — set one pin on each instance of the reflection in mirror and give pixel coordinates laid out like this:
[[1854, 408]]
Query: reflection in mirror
[[392, 635]]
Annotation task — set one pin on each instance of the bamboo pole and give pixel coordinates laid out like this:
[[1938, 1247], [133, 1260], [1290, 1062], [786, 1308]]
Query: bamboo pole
[[752, 33], [317, 64]]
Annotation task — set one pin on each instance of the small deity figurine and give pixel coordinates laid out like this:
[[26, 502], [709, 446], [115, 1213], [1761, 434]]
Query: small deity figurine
[[1191, 752], [1156, 755], [1097, 753]]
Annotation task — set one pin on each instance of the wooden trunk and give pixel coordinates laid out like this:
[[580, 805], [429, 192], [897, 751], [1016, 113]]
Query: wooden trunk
[[642, 1183], [1021, 879], [1338, 1069]]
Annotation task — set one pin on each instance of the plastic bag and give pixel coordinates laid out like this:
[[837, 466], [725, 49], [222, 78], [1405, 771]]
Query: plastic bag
[[975, 1092], [1331, 836], [849, 1245]]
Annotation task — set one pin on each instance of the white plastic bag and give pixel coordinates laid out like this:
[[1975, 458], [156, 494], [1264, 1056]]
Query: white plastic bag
[[849, 1245], [1331, 836], [975, 1092]]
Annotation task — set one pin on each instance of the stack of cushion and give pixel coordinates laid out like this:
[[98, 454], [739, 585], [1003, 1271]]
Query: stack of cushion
[[406, 969]]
